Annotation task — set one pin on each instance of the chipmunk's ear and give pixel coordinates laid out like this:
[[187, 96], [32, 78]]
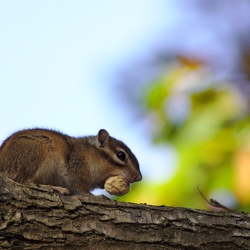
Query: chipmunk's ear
[[103, 137]]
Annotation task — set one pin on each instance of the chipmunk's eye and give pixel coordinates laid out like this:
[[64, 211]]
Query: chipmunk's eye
[[121, 155]]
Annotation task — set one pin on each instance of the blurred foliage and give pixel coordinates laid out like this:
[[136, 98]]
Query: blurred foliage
[[204, 118], [207, 122]]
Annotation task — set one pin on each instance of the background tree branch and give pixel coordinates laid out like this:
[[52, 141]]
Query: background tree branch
[[32, 217]]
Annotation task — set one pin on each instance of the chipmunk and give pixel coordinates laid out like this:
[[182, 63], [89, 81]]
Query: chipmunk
[[74, 165]]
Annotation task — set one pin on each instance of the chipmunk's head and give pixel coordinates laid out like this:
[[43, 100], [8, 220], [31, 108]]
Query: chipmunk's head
[[115, 159]]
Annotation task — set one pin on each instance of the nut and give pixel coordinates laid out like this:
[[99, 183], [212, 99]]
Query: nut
[[117, 185]]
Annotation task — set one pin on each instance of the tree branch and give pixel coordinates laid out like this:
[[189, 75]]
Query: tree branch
[[214, 203], [33, 217]]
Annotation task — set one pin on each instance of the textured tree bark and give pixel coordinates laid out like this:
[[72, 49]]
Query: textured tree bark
[[36, 218]]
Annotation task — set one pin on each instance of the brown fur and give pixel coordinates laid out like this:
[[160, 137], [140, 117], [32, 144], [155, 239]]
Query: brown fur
[[81, 164]]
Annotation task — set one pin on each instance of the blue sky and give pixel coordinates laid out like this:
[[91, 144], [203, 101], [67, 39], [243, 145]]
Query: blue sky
[[57, 62]]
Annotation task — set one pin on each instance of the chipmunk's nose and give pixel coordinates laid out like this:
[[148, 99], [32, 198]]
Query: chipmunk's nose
[[138, 178]]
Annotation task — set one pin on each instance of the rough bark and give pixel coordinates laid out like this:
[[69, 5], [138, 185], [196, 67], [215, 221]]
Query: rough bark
[[36, 218]]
